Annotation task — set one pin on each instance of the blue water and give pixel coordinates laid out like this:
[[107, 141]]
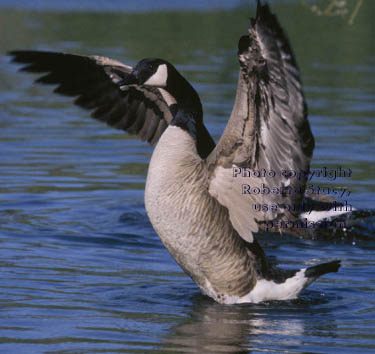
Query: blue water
[[82, 270]]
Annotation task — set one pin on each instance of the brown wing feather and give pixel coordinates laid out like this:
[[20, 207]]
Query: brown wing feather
[[95, 81], [268, 128]]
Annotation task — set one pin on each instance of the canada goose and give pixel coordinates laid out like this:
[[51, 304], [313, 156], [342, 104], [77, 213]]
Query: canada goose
[[193, 198]]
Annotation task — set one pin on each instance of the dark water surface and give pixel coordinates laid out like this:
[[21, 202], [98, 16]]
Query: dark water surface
[[82, 269]]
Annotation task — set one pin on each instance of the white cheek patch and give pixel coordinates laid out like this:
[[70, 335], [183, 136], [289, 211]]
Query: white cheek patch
[[159, 79]]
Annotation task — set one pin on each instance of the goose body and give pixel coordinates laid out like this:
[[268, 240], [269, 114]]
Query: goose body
[[196, 229], [192, 198], [190, 222]]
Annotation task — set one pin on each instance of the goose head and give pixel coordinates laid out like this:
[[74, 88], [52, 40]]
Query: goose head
[[161, 74], [151, 72]]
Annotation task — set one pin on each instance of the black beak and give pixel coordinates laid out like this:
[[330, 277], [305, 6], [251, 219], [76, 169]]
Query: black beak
[[130, 79]]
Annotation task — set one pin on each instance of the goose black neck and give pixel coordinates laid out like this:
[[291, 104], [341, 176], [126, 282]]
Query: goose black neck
[[187, 98], [188, 113]]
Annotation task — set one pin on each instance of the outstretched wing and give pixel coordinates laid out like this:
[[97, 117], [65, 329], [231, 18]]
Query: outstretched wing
[[268, 135], [97, 83]]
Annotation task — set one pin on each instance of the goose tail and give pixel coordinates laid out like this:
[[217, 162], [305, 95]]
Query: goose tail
[[323, 268], [305, 277]]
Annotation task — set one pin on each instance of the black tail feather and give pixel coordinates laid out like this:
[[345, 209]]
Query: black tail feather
[[320, 269]]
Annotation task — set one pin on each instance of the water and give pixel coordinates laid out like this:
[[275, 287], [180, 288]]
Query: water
[[82, 269]]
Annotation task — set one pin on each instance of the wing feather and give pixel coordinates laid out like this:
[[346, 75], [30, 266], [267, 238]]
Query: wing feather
[[268, 129], [95, 82]]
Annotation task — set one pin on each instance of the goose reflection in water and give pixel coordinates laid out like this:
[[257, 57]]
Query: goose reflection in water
[[214, 328]]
